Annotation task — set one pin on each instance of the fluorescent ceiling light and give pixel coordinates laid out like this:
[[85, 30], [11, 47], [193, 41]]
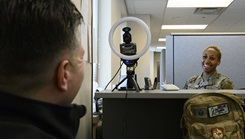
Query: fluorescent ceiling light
[[198, 3], [184, 26], [162, 39]]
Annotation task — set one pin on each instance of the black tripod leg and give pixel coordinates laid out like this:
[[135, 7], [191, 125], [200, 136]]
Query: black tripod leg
[[119, 84], [136, 86]]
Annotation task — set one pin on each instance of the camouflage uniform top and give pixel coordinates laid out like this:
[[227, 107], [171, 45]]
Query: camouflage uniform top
[[215, 82]]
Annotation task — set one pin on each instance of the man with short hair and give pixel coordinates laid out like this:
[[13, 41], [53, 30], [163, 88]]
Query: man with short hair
[[41, 69]]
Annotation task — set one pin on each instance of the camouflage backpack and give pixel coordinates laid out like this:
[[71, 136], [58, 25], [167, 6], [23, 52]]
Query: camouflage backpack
[[213, 115]]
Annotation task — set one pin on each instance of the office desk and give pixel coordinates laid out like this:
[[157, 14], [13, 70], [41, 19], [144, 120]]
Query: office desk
[[153, 114]]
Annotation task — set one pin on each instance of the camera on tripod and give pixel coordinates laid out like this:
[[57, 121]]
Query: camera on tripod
[[128, 48]]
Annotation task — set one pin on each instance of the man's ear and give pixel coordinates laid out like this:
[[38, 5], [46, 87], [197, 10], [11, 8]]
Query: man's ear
[[62, 75]]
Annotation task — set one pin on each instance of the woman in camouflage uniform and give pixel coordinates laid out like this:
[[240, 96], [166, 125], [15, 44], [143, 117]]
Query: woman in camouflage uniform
[[210, 78]]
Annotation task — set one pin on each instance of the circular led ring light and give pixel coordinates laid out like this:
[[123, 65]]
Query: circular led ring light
[[145, 27]]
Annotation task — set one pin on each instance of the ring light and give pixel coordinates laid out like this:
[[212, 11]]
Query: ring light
[[145, 27]]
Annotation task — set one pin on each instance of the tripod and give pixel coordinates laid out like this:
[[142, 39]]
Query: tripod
[[131, 82]]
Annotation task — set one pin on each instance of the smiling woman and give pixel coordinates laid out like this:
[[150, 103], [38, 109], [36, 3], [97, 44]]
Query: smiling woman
[[210, 78], [211, 57], [184, 52]]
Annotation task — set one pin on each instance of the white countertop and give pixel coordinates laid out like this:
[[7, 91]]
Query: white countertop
[[158, 94]]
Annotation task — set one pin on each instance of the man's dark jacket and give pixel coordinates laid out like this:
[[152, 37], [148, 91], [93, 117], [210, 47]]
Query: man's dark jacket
[[22, 118]]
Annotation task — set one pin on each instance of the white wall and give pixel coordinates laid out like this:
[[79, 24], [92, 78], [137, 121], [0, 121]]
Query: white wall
[[110, 11], [118, 11], [104, 57], [109, 63], [84, 95]]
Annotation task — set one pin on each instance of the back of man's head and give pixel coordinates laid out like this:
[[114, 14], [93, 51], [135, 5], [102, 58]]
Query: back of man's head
[[33, 36]]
